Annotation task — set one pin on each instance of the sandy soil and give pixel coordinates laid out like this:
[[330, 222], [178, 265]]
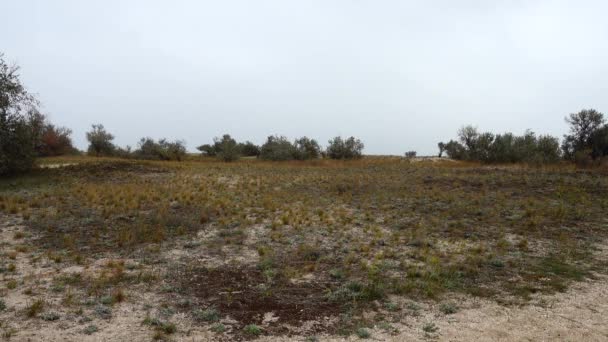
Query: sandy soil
[[580, 314]]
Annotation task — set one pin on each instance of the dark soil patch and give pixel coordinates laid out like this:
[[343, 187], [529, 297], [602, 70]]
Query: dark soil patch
[[246, 294]]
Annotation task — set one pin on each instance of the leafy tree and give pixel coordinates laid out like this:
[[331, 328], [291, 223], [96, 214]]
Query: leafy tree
[[18, 137], [350, 148], [582, 125], [100, 141]]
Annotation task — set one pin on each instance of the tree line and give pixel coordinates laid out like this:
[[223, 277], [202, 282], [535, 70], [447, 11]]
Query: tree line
[[26, 133], [586, 143], [226, 148]]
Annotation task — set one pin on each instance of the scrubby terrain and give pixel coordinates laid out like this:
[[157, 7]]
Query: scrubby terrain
[[386, 248]]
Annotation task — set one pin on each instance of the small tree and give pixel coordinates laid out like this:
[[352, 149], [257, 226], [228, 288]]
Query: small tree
[[599, 142], [100, 141], [582, 126], [350, 148], [18, 137], [441, 147], [410, 154]]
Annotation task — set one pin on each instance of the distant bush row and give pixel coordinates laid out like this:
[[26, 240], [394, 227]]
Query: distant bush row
[[586, 144], [279, 148], [226, 148], [100, 144]]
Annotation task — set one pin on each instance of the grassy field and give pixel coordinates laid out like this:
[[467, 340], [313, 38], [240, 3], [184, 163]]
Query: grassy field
[[297, 248]]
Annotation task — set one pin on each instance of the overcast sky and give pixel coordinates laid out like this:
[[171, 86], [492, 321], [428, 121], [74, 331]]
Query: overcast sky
[[400, 75]]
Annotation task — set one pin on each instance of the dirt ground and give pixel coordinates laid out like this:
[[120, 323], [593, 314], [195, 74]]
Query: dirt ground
[[576, 315]]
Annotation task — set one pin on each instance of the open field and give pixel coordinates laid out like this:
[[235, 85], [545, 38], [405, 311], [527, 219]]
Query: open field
[[106, 249]]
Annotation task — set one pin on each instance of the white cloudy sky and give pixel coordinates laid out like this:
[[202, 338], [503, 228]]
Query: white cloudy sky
[[400, 75]]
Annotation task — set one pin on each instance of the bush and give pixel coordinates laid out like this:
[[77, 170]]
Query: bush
[[227, 149], [503, 148], [161, 150], [306, 149], [277, 148], [410, 154], [207, 150], [249, 149], [100, 141], [55, 141], [350, 148]]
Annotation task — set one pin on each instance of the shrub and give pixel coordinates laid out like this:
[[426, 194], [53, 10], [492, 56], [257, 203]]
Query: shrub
[[161, 150], [249, 149], [410, 154], [306, 149], [277, 148], [207, 150], [363, 333], [252, 330], [503, 148], [55, 141], [100, 141], [227, 149], [350, 148]]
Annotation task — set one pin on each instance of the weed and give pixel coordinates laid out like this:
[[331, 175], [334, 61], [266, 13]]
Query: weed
[[103, 311], [448, 308], [207, 315], [252, 330], [363, 333], [90, 329], [33, 309], [429, 327], [218, 328], [50, 316]]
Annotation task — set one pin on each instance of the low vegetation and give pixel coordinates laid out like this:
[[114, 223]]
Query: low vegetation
[[304, 239]]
